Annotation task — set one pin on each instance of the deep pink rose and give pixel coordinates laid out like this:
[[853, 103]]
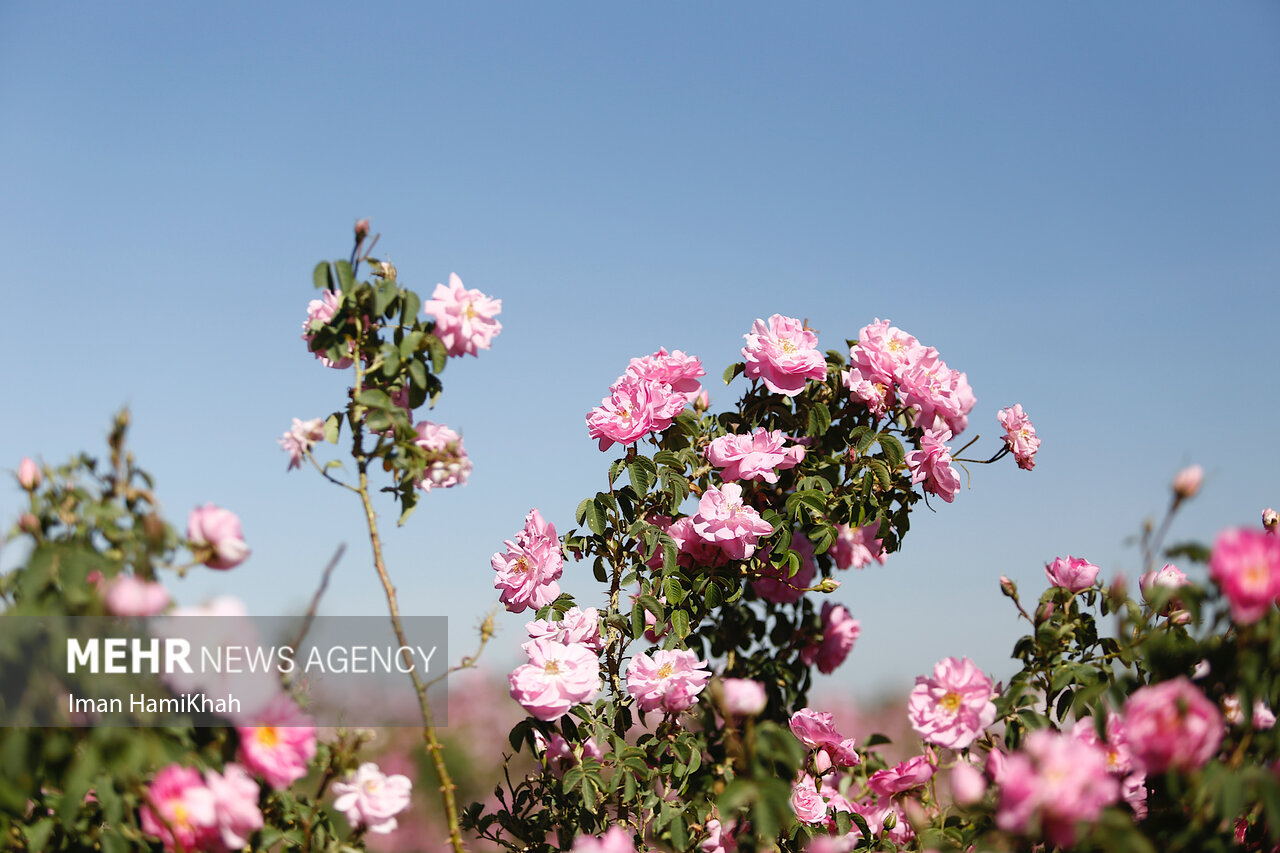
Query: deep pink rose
[[215, 532], [1172, 725], [783, 354], [954, 707], [931, 465], [280, 744], [1071, 573], [186, 804], [371, 799], [839, 632], [1056, 781], [724, 520], [758, 456], [464, 318], [912, 773], [1245, 563], [670, 679], [556, 678]]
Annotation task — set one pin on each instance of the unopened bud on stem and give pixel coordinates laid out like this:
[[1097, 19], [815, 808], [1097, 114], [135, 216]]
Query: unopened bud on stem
[[1187, 482], [1270, 519], [362, 230], [1008, 587]]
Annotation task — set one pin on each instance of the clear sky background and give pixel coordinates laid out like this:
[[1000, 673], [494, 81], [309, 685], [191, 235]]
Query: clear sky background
[[1077, 204]]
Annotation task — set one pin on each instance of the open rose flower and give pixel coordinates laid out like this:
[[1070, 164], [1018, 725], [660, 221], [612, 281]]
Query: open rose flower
[[912, 773], [1019, 436], [783, 354], [724, 520], [856, 547], [299, 440], [180, 809], [1055, 783], [280, 744], [1245, 563], [557, 677], [575, 626], [528, 572], [931, 465], [954, 707], [807, 801], [464, 318], [1071, 573], [670, 679], [758, 456], [1172, 725], [131, 597], [816, 730], [214, 533], [370, 798], [235, 804]]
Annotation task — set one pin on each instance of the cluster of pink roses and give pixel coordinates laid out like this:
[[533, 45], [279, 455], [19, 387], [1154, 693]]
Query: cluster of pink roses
[[529, 570], [646, 398], [1019, 436], [213, 812]]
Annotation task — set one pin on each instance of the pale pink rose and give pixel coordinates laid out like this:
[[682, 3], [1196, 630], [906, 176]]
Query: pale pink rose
[[720, 838], [677, 371], [299, 440], [1120, 760], [968, 784], [816, 730], [694, 551], [556, 678], [560, 755], [464, 318], [280, 744], [743, 697], [1169, 577], [1246, 565], [670, 679], [783, 354], [29, 475], [615, 840], [954, 707], [1261, 718], [806, 801], [216, 532], [1270, 520], [774, 584], [1071, 573], [912, 773], [724, 520], [1172, 725], [370, 798], [1019, 436], [758, 456], [941, 396], [575, 626], [1056, 781], [322, 310], [447, 462], [235, 803], [839, 632], [528, 572], [186, 804], [130, 597], [931, 464], [856, 547], [1187, 482]]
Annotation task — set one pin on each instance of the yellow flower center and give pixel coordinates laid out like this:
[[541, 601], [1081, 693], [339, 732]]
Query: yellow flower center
[[787, 346], [267, 736], [551, 667], [1256, 575], [179, 819], [471, 311], [664, 671], [521, 566], [951, 701]]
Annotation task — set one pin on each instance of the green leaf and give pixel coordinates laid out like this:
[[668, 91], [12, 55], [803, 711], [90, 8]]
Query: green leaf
[[322, 276], [410, 305], [733, 370], [374, 399], [346, 276], [439, 355], [384, 294], [581, 514], [332, 428], [819, 419], [642, 472], [596, 519], [675, 592], [680, 623], [418, 374], [637, 621], [894, 452]]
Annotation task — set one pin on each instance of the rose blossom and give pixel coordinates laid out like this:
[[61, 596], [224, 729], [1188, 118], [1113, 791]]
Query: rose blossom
[[627, 414], [464, 318], [559, 753], [954, 707], [675, 370], [557, 677], [670, 679], [967, 784], [694, 551], [724, 520], [1262, 718], [215, 533], [615, 840], [370, 798], [783, 354], [806, 801], [839, 632], [1019, 435], [856, 547], [185, 804], [931, 464], [528, 571], [1071, 573], [1246, 565], [280, 744], [758, 456], [575, 626], [323, 309], [300, 438], [1056, 781], [131, 597], [816, 730], [743, 697], [1169, 577], [912, 773], [720, 837], [29, 476], [1172, 725], [235, 804], [447, 462]]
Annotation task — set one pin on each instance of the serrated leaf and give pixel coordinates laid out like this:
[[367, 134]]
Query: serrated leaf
[[680, 623], [595, 517], [819, 419], [674, 591], [322, 276], [895, 453], [642, 473]]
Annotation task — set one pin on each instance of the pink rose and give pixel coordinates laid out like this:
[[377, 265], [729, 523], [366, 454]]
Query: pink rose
[[1246, 566], [1169, 577], [280, 744], [529, 570], [556, 678], [1019, 436], [615, 840], [29, 476], [560, 755], [783, 354], [670, 679], [758, 456], [322, 311], [954, 707], [235, 805], [185, 804], [968, 784], [931, 464], [1187, 482], [627, 414], [1056, 780], [575, 626], [464, 318], [214, 534], [300, 438], [676, 371], [720, 837], [447, 462], [857, 547], [806, 802], [724, 520], [839, 632], [816, 730], [1172, 725], [130, 597], [1071, 573], [912, 773], [694, 551], [743, 697], [371, 798]]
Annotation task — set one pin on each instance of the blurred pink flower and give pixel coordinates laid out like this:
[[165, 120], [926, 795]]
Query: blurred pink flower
[[529, 570], [447, 462], [758, 456], [1054, 783], [300, 438], [1187, 482], [615, 840], [1019, 435], [1071, 573], [931, 464], [720, 837], [968, 784], [217, 532], [743, 697], [783, 354], [1246, 565], [280, 744], [557, 677], [670, 679], [912, 773], [723, 519], [370, 798], [323, 309], [235, 801], [560, 754], [29, 476], [464, 318], [839, 632], [1172, 725], [856, 547], [130, 597], [954, 707], [183, 801]]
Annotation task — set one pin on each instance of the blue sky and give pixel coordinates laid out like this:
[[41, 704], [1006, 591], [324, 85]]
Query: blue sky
[[1077, 204]]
